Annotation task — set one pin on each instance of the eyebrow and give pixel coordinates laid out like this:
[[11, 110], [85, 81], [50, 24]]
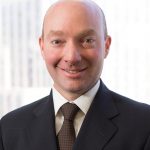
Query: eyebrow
[[87, 32], [55, 33], [81, 34]]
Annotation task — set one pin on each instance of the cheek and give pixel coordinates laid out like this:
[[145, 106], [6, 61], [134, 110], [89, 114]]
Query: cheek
[[51, 58], [94, 56]]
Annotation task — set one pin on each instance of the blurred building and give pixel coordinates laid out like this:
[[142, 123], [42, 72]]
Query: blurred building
[[23, 76], [21, 65]]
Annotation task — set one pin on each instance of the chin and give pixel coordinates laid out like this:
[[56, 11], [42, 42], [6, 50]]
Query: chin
[[76, 89]]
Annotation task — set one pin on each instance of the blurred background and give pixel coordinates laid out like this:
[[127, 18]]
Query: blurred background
[[23, 75]]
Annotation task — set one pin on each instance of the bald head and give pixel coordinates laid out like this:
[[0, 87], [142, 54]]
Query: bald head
[[69, 5], [74, 45]]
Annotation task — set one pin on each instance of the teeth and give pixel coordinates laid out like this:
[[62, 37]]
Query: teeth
[[72, 71]]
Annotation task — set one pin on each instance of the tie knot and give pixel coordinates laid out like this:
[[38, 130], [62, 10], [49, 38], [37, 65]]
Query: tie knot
[[69, 111]]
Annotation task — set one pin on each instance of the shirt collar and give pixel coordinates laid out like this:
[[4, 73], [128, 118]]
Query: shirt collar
[[83, 102]]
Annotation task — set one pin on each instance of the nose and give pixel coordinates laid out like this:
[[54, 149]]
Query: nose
[[72, 53]]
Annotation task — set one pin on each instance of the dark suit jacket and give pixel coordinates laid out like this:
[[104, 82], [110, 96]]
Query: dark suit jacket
[[113, 122]]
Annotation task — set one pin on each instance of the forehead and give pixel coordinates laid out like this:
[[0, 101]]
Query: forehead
[[70, 14], [73, 5]]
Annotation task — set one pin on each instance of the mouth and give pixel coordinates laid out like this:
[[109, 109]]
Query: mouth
[[73, 71]]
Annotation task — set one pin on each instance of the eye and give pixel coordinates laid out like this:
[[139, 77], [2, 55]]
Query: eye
[[88, 42], [56, 42]]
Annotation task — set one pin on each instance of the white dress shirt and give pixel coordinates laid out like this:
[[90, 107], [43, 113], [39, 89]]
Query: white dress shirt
[[83, 102]]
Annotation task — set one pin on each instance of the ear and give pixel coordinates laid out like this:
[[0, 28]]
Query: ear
[[107, 45], [41, 44]]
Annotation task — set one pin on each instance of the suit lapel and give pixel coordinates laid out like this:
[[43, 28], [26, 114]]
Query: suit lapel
[[96, 131], [97, 128], [42, 131]]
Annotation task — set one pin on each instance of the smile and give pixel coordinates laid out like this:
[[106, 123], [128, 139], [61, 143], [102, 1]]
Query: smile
[[72, 71]]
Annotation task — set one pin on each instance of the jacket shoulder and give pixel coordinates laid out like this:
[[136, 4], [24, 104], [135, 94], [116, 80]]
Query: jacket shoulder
[[130, 106], [23, 114]]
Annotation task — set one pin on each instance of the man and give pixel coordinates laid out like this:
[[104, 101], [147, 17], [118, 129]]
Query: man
[[74, 44]]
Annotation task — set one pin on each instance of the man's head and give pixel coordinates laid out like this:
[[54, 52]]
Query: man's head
[[74, 44]]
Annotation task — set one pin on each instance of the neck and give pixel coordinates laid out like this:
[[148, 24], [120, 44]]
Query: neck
[[70, 95]]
